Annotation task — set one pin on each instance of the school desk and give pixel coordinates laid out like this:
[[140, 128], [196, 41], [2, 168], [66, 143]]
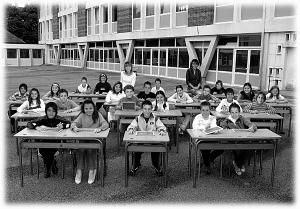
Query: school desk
[[64, 139], [81, 95], [146, 143], [231, 139]]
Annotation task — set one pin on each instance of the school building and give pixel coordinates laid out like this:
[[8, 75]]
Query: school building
[[234, 41]]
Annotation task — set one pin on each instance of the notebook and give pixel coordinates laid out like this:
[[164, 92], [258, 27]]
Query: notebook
[[128, 106], [144, 133], [212, 130]]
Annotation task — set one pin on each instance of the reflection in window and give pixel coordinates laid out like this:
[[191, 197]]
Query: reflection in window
[[138, 56], [164, 8], [155, 57], [24, 53], [162, 58], [254, 61], [241, 61], [250, 40], [183, 58], [146, 57], [225, 60], [11, 53], [181, 7], [136, 13], [149, 9], [172, 58], [36, 53]]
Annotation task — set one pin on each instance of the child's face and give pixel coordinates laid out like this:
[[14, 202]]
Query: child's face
[[205, 111], [88, 109], [83, 82], [218, 86], [147, 89], [179, 91], [34, 95], [63, 96], [275, 91], [235, 112], [22, 90], [128, 68], [129, 93], [51, 113], [157, 84], [102, 79], [260, 99], [194, 65], [160, 98], [206, 91], [118, 88], [247, 89], [147, 110], [229, 97], [55, 88]]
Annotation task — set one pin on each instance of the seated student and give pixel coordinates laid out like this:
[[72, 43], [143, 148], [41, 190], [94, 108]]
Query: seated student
[[22, 94], [204, 121], [53, 94], [114, 96], [128, 77], [205, 96], [103, 87], [63, 103], [260, 105], [223, 107], [247, 94], [218, 89], [88, 118], [146, 121], [146, 94], [84, 87], [181, 97], [275, 96], [50, 120], [33, 104], [157, 86], [236, 121], [160, 104]]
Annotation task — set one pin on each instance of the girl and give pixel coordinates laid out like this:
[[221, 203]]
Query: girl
[[247, 94], [103, 87], [22, 94], [218, 89], [33, 104], [53, 94], [88, 118], [274, 96], [128, 77], [50, 120], [114, 96], [236, 121], [160, 104], [84, 87], [157, 86], [193, 78], [259, 105]]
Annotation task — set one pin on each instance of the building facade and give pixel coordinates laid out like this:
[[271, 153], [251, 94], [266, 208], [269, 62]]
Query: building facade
[[235, 42]]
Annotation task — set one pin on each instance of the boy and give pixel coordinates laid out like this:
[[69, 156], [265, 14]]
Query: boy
[[146, 94], [205, 96], [22, 94], [157, 86], [223, 107], [63, 103], [146, 121]]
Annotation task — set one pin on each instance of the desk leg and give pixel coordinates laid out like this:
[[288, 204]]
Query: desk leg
[[195, 165], [119, 134], [177, 137], [38, 164], [102, 165], [165, 156], [254, 164], [273, 163], [126, 165], [189, 160], [290, 123], [260, 162], [31, 167], [20, 164]]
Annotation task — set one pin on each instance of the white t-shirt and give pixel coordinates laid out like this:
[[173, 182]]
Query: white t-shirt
[[154, 89], [201, 123], [160, 106], [268, 96], [226, 104], [114, 98], [34, 106], [128, 79]]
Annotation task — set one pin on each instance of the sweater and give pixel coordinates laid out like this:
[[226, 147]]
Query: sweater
[[143, 95], [19, 96], [132, 99], [226, 105], [193, 77], [128, 79], [250, 108], [154, 90], [176, 98], [102, 87], [45, 121], [218, 91], [201, 123], [244, 96], [85, 121], [112, 97], [140, 124], [69, 104], [240, 123]]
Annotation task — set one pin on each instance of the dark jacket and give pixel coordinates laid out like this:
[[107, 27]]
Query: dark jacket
[[143, 95], [102, 87], [193, 78], [44, 121], [244, 96], [219, 91], [241, 123]]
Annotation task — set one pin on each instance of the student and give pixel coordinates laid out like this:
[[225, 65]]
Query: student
[[128, 77], [50, 120], [33, 104], [88, 118], [205, 96], [260, 105], [146, 94], [22, 94], [84, 87], [204, 121], [236, 121], [63, 103], [53, 94], [223, 107], [114, 96], [160, 104], [146, 121], [218, 89], [247, 94], [103, 87], [157, 86], [275, 96], [193, 77]]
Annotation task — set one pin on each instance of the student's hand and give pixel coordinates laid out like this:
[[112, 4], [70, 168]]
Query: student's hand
[[97, 92], [130, 131], [161, 133], [251, 129], [59, 126], [41, 128], [97, 130], [74, 128]]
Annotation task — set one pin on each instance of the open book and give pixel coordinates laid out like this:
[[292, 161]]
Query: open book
[[212, 130]]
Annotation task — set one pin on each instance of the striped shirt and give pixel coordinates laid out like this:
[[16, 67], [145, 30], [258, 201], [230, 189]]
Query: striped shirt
[[264, 107]]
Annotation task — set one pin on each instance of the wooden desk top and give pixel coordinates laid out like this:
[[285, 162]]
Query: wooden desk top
[[101, 96], [146, 139], [133, 113], [42, 113], [251, 116], [194, 104]]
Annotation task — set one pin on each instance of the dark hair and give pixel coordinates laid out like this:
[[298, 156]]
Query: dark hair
[[147, 83], [195, 61], [114, 87], [220, 82], [207, 87], [204, 103], [234, 105], [146, 102], [261, 93], [157, 79], [53, 105], [127, 64], [248, 84], [23, 85], [129, 87], [103, 75], [270, 91], [95, 115], [229, 90], [178, 86], [165, 98], [63, 91], [84, 78], [57, 93], [38, 101]]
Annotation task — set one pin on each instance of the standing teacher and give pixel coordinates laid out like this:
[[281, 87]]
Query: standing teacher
[[193, 78]]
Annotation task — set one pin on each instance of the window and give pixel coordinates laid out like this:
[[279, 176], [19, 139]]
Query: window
[[105, 14], [60, 27], [24, 53], [138, 56], [241, 61], [180, 42], [254, 61], [117, 59], [279, 49], [167, 42], [97, 58], [91, 55], [213, 64], [89, 22], [75, 25], [146, 57], [162, 58], [250, 40], [110, 55], [114, 13], [149, 9], [172, 58], [164, 8], [155, 57], [37, 53], [11, 53], [183, 58], [287, 37], [225, 60], [136, 13], [251, 11], [139, 43], [282, 10], [70, 25], [224, 11], [108, 44], [199, 54], [152, 43], [65, 25], [97, 20], [181, 7], [227, 40]]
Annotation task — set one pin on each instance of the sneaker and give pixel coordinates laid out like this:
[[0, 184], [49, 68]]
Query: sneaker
[[54, 167], [236, 169], [158, 172], [243, 169], [78, 176], [134, 170], [92, 175]]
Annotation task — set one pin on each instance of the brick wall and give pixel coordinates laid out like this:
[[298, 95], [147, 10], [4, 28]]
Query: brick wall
[[124, 19], [55, 22], [200, 15], [82, 21]]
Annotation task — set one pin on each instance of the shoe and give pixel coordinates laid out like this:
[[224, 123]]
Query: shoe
[[158, 172], [236, 169], [54, 167], [133, 171], [46, 171], [78, 176], [92, 175], [243, 169]]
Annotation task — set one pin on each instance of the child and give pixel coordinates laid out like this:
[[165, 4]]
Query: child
[[205, 96], [146, 94], [22, 94], [275, 96], [236, 121], [63, 103], [157, 86], [218, 89], [84, 87], [88, 118], [223, 107], [33, 104], [160, 104], [114, 96], [53, 94], [50, 120], [129, 91], [193, 78], [146, 121], [247, 94], [260, 105], [204, 121], [128, 77], [103, 87]]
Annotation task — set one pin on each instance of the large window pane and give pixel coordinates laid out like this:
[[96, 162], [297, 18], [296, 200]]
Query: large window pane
[[11, 53], [97, 58], [152, 43], [110, 55], [250, 40], [101, 56], [138, 56], [146, 58], [37, 53], [105, 14], [183, 58], [225, 60], [172, 58], [162, 58], [167, 42], [114, 13], [116, 60], [136, 13], [224, 13], [213, 64], [282, 10], [241, 61], [24, 53], [155, 57], [251, 11], [149, 9], [254, 61], [164, 8]]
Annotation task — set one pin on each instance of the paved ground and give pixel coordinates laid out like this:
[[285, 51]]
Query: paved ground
[[145, 187]]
